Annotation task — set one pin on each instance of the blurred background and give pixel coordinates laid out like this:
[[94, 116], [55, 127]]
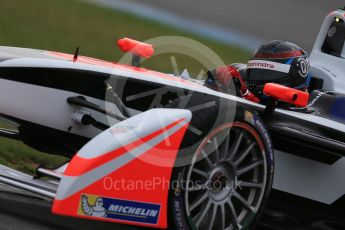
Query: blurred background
[[231, 28], [297, 21]]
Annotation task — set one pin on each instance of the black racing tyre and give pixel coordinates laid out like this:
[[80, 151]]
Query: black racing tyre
[[228, 167]]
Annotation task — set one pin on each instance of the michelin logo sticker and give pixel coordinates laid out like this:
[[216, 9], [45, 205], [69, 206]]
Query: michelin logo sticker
[[96, 210], [126, 210]]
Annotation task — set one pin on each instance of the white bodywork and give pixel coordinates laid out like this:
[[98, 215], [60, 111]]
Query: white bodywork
[[61, 117], [328, 67]]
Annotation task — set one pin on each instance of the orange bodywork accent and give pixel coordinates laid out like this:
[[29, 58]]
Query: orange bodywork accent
[[286, 94], [138, 48], [102, 63]]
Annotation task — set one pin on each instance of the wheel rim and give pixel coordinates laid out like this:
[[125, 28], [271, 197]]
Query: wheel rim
[[227, 178]]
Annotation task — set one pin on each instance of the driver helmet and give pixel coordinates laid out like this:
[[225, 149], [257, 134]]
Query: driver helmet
[[278, 62]]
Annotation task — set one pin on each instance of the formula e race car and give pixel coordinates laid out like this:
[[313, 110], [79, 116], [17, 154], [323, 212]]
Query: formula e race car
[[156, 150]]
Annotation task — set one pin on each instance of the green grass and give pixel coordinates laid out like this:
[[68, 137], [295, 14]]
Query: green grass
[[19, 156], [62, 25]]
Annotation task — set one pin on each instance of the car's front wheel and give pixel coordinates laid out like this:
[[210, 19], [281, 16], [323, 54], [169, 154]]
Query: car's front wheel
[[228, 179]]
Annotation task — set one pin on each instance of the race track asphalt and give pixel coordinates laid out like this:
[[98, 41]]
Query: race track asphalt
[[293, 20], [21, 210]]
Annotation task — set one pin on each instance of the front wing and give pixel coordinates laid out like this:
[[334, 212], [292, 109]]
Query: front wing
[[123, 174]]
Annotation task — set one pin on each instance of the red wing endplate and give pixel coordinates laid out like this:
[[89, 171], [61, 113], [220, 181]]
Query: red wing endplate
[[123, 174]]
